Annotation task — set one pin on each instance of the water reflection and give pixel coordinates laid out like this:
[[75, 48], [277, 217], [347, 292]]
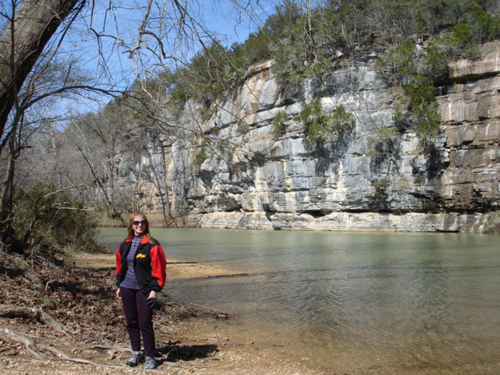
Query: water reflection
[[352, 301]]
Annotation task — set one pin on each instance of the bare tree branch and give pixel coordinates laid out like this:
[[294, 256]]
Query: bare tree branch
[[22, 43]]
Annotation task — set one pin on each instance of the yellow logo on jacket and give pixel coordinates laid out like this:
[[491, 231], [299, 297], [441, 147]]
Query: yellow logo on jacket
[[140, 256]]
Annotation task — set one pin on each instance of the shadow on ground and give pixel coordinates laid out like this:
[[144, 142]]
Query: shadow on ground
[[175, 352]]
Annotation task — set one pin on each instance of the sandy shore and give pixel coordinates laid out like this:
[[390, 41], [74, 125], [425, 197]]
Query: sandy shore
[[176, 269]]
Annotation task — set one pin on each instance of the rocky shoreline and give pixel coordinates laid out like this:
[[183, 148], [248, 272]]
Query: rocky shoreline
[[351, 221]]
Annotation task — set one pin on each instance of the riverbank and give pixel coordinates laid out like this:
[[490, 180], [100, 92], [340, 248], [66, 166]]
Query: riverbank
[[84, 331], [191, 340]]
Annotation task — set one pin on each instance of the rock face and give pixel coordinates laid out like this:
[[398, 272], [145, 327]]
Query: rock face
[[253, 179]]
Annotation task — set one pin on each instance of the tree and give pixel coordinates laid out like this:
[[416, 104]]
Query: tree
[[50, 79], [96, 139], [28, 28], [30, 25]]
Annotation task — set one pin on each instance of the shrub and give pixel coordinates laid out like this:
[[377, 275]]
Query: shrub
[[201, 156], [207, 77], [416, 70], [384, 140], [381, 188], [279, 124], [424, 110], [224, 149], [241, 127], [321, 128], [50, 217]]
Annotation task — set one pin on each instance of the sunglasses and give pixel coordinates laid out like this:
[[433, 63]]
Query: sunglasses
[[137, 222]]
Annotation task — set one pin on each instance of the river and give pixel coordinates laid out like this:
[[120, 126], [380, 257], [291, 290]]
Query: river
[[347, 301]]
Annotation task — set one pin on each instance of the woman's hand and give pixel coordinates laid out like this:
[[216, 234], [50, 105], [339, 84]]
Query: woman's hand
[[153, 302], [152, 294], [118, 295]]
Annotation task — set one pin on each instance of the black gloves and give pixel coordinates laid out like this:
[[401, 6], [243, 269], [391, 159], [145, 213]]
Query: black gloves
[[154, 303]]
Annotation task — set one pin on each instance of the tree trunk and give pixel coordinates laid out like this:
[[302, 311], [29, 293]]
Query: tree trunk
[[6, 192], [31, 27], [165, 173]]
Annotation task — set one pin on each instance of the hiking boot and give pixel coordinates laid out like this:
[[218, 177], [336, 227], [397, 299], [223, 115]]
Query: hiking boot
[[135, 360], [151, 363]]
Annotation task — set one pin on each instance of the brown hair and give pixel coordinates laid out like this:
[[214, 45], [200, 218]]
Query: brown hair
[[130, 228]]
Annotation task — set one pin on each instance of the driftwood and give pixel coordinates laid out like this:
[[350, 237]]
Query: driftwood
[[8, 311]]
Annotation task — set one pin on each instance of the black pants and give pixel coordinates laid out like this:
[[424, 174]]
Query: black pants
[[139, 319]]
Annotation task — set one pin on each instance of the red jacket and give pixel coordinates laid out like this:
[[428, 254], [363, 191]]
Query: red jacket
[[149, 264]]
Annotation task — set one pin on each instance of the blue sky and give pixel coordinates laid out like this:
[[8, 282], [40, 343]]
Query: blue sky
[[119, 30]]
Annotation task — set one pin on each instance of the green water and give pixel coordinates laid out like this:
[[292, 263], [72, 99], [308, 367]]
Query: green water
[[352, 302]]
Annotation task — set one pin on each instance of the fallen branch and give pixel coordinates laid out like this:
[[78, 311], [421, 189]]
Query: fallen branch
[[64, 357], [34, 278], [8, 311], [8, 336]]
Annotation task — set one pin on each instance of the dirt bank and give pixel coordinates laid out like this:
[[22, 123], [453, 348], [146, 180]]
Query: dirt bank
[[88, 335]]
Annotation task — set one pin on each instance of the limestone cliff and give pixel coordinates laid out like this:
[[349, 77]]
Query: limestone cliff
[[260, 181]]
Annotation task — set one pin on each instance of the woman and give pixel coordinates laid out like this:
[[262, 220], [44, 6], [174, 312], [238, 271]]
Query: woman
[[140, 275]]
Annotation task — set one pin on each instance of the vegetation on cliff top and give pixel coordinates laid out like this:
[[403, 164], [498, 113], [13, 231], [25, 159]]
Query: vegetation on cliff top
[[306, 42], [416, 40]]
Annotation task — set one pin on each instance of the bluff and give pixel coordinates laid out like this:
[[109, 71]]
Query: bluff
[[238, 174]]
